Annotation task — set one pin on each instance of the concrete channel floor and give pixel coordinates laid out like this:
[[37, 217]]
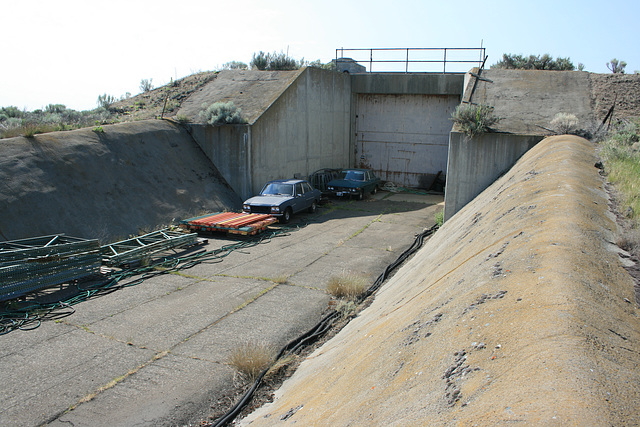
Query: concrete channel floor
[[155, 353]]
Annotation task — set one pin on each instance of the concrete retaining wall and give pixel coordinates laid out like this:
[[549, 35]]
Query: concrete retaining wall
[[304, 129], [526, 101], [408, 84], [476, 163], [404, 138]]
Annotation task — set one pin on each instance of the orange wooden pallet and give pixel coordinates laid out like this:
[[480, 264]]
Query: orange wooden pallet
[[230, 222]]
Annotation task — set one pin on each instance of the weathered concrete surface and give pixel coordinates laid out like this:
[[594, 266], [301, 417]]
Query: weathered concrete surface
[[401, 123], [516, 311], [227, 147], [250, 90], [408, 84], [106, 185], [155, 354], [526, 101], [404, 138], [305, 129]]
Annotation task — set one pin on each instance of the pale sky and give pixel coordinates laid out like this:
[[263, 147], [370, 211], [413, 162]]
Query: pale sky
[[69, 51]]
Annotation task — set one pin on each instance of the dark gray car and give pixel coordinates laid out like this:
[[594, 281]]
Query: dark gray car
[[284, 197]]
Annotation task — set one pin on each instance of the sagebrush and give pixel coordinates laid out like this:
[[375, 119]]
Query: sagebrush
[[474, 119], [564, 123], [535, 62], [146, 85], [275, 62], [222, 113]]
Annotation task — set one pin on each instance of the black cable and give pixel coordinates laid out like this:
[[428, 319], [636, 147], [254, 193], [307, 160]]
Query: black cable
[[322, 327]]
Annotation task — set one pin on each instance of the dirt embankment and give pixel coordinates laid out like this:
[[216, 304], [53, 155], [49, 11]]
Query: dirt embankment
[[166, 99], [129, 178], [516, 311], [621, 89]]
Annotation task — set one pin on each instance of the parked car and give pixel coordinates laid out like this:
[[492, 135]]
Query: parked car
[[284, 197], [320, 178], [354, 182]]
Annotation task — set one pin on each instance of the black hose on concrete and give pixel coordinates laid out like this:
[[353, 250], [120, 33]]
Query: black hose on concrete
[[314, 333], [323, 326]]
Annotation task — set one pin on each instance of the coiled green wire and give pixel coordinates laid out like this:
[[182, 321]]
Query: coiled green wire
[[30, 315]]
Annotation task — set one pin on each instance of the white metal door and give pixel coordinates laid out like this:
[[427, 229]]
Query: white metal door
[[404, 138]]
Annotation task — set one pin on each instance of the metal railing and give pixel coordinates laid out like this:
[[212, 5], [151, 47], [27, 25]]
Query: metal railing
[[405, 57]]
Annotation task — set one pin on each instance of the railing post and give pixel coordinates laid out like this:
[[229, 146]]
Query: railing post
[[444, 63], [370, 60], [406, 69]]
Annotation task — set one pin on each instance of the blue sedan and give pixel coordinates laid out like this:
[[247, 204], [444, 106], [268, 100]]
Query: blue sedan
[[284, 197], [354, 182]]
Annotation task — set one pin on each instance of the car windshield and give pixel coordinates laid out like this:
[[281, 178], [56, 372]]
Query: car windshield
[[352, 175], [277, 188]]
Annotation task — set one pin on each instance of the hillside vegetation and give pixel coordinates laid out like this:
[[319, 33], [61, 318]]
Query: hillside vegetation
[[150, 104]]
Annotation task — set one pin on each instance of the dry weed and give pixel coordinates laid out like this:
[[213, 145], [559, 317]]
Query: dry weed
[[251, 358], [347, 285]]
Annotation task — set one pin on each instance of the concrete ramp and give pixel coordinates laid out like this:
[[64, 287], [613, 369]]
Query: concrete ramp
[[252, 91], [516, 311], [108, 184]]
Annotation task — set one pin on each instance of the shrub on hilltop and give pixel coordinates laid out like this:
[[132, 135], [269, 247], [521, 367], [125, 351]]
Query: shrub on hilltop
[[536, 62], [275, 62]]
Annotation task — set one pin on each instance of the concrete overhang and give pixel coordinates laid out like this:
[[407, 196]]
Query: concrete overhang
[[408, 83]]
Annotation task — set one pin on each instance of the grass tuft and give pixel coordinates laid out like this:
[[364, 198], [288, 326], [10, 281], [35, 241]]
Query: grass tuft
[[251, 358], [281, 279], [347, 285], [439, 217], [630, 241]]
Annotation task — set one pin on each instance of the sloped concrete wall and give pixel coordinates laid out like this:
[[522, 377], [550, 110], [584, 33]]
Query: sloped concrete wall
[[516, 311], [130, 178]]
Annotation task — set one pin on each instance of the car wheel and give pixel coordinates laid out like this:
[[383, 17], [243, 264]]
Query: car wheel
[[360, 195], [314, 207], [286, 216], [375, 190]]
